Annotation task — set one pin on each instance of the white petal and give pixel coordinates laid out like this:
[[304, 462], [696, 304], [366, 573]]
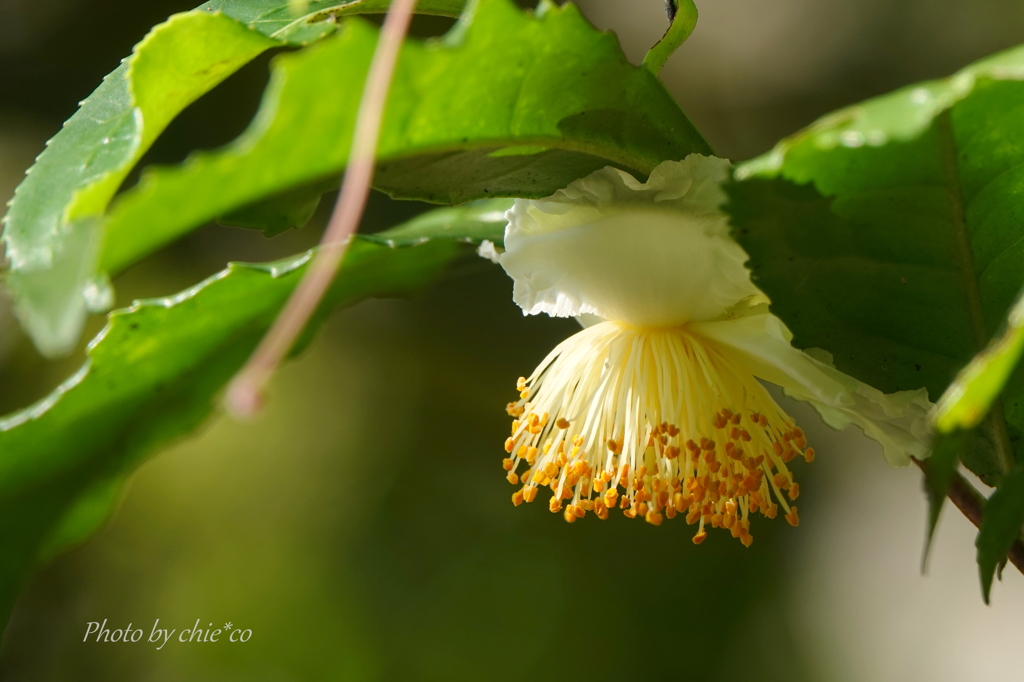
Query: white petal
[[761, 342], [488, 250], [649, 254]]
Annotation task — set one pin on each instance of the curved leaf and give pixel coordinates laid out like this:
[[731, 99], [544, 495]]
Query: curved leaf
[[889, 234], [153, 373], [85, 163], [551, 99], [49, 235]]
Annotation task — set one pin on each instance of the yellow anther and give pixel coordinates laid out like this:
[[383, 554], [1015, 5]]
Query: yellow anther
[[579, 511], [517, 497], [531, 454], [673, 430], [520, 383], [671, 452], [734, 433], [610, 496], [777, 448], [551, 469], [730, 507], [809, 455], [746, 538], [641, 509], [714, 466], [569, 516], [578, 441], [512, 478], [719, 421], [690, 445], [745, 435], [699, 537], [509, 444], [521, 452], [794, 491], [781, 481], [562, 423], [598, 485], [653, 518], [529, 493], [508, 463], [524, 394], [792, 517], [601, 510], [555, 504], [771, 510]]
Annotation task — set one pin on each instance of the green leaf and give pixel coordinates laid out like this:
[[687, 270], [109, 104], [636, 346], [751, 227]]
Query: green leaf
[[291, 209], [50, 235], [471, 223], [84, 164], [550, 86], [969, 398], [277, 19], [890, 233], [1000, 526], [154, 372], [938, 474]]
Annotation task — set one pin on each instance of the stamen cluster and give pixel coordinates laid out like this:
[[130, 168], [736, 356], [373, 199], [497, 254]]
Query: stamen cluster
[[658, 422]]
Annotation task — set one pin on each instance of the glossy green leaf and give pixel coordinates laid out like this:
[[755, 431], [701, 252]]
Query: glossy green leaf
[[970, 396], [50, 232], [1001, 526], [154, 372], [277, 18], [46, 230], [291, 209], [551, 98], [889, 234], [474, 223]]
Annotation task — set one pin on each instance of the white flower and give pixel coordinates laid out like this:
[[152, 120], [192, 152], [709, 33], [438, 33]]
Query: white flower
[[655, 405]]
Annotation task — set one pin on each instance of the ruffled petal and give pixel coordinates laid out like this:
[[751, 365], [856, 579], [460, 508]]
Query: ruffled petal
[[649, 254], [761, 343]]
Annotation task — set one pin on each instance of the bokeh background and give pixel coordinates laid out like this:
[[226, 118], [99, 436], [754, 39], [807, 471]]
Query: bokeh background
[[361, 528]]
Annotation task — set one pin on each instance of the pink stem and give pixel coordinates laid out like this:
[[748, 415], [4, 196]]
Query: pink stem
[[244, 394]]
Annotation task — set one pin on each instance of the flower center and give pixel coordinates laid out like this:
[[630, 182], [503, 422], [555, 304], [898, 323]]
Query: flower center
[[657, 421]]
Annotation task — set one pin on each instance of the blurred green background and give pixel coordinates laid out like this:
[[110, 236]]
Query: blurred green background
[[362, 527]]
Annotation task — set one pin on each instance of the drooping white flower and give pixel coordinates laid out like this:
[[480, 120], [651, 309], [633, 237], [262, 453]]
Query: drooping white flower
[[655, 406]]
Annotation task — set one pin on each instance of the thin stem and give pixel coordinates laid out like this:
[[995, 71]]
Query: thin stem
[[244, 394], [971, 504]]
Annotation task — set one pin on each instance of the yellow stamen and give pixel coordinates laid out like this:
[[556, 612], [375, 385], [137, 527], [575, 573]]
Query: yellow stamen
[[662, 413]]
